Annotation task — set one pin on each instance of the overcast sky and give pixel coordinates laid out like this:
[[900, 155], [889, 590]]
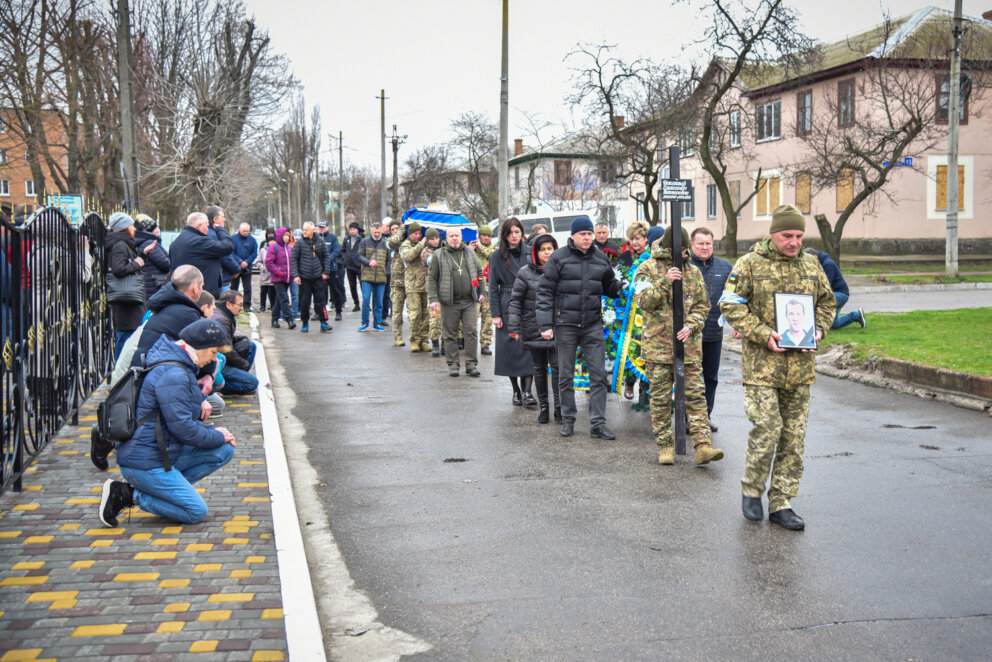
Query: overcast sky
[[438, 58]]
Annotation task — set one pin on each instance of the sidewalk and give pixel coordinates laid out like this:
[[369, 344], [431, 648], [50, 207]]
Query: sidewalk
[[152, 589]]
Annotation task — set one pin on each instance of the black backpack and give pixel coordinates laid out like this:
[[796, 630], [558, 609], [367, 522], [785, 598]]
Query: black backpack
[[116, 416]]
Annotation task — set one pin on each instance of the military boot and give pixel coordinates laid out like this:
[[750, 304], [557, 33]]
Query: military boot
[[706, 453], [414, 346], [398, 342], [541, 384], [425, 346], [666, 455], [435, 348]]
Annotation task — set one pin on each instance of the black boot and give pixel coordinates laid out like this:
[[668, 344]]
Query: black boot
[[435, 348], [541, 386]]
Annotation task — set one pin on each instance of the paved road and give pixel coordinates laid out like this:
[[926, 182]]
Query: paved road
[[485, 535], [902, 301]]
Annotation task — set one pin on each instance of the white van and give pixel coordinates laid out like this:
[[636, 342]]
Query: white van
[[559, 224]]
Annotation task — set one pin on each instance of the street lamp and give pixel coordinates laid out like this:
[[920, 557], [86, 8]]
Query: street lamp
[[279, 186], [289, 195]]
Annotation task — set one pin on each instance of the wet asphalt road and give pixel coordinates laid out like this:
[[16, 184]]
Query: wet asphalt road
[[472, 527]]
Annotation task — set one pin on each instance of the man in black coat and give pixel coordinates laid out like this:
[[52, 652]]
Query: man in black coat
[[194, 246], [605, 244], [173, 308], [311, 269], [241, 357], [569, 310], [335, 281], [349, 256]]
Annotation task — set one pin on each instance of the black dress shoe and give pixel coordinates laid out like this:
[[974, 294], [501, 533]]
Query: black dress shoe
[[337, 315], [713, 428], [518, 399], [530, 401], [275, 324], [356, 309], [602, 432], [292, 324], [567, 428], [788, 519], [751, 506]]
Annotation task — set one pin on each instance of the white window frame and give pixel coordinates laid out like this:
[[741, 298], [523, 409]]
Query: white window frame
[[3, 157], [769, 127], [689, 208], [686, 142], [29, 189], [4, 188], [967, 195], [711, 201], [640, 206], [735, 128]]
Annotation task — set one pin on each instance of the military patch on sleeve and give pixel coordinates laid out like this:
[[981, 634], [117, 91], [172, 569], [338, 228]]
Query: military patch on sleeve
[[731, 284]]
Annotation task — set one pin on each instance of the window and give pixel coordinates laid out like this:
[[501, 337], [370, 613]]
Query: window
[[711, 201], [770, 121], [29, 188], [516, 176], [845, 189], [689, 208], [942, 188], [5, 188], [769, 195], [563, 173], [3, 157], [686, 142], [803, 187], [27, 160], [845, 103], [640, 206], [735, 193], [607, 173], [564, 223], [944, 101], [735, 128], [804, 112], [3, 125]]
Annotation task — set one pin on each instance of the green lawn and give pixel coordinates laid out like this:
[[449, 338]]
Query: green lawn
[[935, 280], [955, 339]]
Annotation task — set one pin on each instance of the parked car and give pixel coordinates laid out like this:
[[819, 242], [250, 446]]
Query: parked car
[[559, 224]]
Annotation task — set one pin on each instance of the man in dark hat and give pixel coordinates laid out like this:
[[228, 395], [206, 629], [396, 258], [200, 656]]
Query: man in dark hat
[[335, 281], [173, 448], [349, 256]]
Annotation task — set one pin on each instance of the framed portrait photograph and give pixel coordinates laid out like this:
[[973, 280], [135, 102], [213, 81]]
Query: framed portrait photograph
[[795, 320]]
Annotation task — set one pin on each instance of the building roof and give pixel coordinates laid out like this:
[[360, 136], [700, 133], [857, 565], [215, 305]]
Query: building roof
[[582, 144]]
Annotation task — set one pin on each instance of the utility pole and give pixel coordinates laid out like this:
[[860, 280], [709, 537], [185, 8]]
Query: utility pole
[[382, 150], [130, 152], [397, 141], [503, 178], [953, 124], [341, 229], [289, 195]]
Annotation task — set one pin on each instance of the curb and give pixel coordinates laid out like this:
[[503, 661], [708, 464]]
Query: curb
[[936, 287], [304, 638]]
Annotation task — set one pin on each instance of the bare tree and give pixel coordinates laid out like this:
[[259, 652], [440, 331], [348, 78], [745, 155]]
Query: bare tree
[[428, 177], [473, 160], [635, 105], [742, 35], [901, 97]]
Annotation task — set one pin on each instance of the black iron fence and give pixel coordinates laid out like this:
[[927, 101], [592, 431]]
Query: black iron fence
[[57, 335]]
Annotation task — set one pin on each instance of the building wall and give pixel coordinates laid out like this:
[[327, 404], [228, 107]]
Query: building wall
[[16, 171]]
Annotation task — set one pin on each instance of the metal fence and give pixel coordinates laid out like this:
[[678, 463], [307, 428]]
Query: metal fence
[[57, 334]]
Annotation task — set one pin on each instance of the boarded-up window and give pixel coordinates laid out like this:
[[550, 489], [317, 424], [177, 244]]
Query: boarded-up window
[[845, 189], [942, 187], [735, 193], [769, 195], [803, 192]]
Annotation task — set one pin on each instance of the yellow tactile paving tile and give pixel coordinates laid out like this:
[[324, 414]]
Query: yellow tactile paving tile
[[169, 627], [28, 506], [206, 646], [268, 656], [255, 499], [31, 488], [141, 536], [206, 567], [171, 530], [176, 607], [252, 485], [82, 500], [68, 452], [63, 604], [102, 542], [199, 547], [240, 574], [137, 577], [255, 559], [72, 526], [214, 615], [251, 462], [10, 534], [152, 556], [104, 532], [108, 630], [165, 541], [231, 597], [24, 581], [173, 583], [268, 614], [83, 564], [37, 540], [236, 541], [51, 596], [28, 565], [25, 655]]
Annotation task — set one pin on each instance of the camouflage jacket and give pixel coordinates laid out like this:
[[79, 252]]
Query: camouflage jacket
[[657, 310], [482, 253], [415, 268], [396, 274], [757, 276]]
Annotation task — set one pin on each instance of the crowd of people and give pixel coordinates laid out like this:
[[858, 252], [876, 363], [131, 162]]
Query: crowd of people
[[541, 308]]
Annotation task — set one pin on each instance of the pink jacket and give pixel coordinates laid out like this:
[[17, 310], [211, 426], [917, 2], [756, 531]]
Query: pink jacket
[[277, 258]]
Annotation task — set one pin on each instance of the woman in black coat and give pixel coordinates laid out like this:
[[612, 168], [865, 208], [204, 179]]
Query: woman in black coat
[[522, 323], [512, 360], [123, 260]]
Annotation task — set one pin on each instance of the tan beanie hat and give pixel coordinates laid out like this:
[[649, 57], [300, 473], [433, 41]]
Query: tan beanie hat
[[432, 233], [787, 217]]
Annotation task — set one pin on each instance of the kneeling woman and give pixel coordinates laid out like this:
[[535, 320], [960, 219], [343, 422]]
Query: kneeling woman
[[522, 323], [160, 480]]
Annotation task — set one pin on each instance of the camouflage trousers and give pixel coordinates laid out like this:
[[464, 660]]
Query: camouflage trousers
[[662, 377], [486, 320], [434, 326], [397, 295], [416, 308], [779, 417]]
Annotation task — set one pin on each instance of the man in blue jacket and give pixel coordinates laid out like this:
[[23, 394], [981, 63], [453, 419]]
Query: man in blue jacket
[[229, 264], [245, 252], [715, 270], [335, 282], [841, 291], [173, 309], [196, 247], [167, 455]]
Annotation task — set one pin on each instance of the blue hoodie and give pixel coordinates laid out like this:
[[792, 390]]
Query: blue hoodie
[[173, 391]]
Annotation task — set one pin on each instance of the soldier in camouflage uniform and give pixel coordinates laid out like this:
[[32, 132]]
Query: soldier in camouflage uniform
[[654, 298], [776, 380], [483, 250], [416, 286], [433, 238], [397, 283]]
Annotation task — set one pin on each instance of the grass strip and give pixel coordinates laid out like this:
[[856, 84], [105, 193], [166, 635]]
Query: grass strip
[[959, 339]]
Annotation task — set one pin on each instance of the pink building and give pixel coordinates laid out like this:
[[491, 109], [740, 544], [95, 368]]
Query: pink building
[[813, 138]]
